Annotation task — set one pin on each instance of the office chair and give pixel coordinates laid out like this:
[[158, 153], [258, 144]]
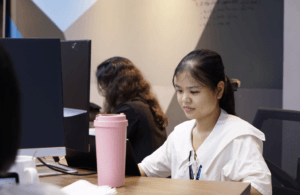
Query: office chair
[[94, 110], [279, 176]]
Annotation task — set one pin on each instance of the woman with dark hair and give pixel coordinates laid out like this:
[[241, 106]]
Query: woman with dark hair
[[216, 144], [126, 91], [10, 130]]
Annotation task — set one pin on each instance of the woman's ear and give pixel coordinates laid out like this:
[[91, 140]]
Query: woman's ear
[[220, 89]]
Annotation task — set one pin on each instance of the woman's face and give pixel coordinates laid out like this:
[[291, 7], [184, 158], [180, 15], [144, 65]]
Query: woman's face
[[196, 100]]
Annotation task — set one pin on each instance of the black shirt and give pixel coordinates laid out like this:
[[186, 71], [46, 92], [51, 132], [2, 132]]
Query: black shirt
[[144, 135]]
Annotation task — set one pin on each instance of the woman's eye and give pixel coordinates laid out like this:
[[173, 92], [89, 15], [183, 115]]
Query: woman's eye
[[194, 92], [179, 91]]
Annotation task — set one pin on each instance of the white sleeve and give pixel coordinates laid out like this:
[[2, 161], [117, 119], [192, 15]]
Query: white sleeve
[[158, 163], [247, 164]]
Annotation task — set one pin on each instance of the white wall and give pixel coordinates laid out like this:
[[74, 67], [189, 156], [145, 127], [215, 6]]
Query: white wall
[[154, 34], [291, 56], [291, 82]]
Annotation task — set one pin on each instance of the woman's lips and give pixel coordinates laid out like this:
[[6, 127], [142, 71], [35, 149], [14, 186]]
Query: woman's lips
[[188, 109]]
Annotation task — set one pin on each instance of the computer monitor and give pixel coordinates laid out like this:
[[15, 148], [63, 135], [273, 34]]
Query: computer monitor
[[38, 67], [76, 65], [76, 69]]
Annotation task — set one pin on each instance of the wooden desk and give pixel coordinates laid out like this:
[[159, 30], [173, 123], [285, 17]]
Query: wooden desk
[[147, 185]]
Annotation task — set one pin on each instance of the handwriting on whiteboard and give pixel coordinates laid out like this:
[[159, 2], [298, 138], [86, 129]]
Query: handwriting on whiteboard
[[223, 12]]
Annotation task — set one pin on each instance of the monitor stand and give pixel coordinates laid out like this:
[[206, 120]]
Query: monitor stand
[[49, 172]]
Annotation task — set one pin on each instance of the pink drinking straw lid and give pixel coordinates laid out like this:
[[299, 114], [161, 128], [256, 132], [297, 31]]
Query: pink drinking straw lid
[[110, 120]]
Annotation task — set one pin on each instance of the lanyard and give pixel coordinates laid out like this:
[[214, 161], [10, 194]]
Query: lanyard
[[191, 170]]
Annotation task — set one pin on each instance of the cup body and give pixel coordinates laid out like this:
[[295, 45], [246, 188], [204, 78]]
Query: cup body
[[111, 149], [25, 167]]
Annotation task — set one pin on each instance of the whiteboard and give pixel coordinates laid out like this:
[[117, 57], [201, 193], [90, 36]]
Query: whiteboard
[[248, 34]]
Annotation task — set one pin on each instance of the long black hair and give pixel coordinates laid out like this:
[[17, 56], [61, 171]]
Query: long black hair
[[119, 81], [206, 67], [10, 112]]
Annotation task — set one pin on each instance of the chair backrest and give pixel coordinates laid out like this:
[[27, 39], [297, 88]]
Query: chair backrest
[[274, 113], [282, 131]]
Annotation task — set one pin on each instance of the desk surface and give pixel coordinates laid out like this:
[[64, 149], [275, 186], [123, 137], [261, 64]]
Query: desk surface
[[147, 185]]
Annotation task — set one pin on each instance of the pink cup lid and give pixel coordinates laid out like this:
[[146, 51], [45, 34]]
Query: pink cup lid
[[110, 120]]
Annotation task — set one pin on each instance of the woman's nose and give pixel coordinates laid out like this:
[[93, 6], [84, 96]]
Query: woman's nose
[[186, 98]]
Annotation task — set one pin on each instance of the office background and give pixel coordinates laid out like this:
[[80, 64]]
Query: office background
[[253, 37]]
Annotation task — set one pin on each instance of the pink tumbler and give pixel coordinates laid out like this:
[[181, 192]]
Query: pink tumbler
[[110, 148]]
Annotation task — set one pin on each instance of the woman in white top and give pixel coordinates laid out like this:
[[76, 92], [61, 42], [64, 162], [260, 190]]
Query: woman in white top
[[215, 145]]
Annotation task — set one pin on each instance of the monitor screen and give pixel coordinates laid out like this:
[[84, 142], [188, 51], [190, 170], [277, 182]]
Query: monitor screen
[[76, 60], [76, 65], [38, 66]]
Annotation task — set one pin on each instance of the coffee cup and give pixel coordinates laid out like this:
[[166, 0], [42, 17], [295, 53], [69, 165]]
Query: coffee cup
[[110, 148], [25, 167]]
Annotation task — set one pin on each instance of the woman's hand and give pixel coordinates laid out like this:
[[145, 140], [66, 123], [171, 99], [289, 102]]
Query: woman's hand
[[143, 174], [254, 191]]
